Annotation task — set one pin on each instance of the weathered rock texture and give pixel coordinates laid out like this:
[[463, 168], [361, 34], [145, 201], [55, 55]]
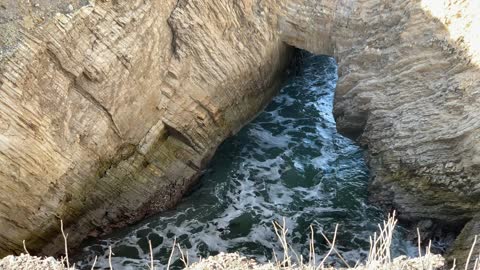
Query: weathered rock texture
[[109, 112], [409, 91]]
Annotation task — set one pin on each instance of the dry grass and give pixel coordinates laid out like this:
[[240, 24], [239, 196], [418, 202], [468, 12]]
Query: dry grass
[[379, 256]]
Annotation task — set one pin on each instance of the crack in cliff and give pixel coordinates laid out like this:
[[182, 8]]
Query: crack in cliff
[[193, 166], [175, 133], [84, 93], [174, 33]]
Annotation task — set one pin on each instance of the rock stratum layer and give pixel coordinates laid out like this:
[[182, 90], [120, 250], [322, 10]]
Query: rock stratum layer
[[111, 110], [409, 91]]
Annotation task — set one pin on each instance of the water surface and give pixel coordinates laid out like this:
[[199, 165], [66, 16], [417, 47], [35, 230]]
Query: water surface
[[290, 163]]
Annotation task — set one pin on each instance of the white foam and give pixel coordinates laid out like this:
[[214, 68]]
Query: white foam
[[266, 138]]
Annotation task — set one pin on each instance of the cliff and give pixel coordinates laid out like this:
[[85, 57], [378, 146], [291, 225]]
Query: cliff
[[109, 111], [409, 91]]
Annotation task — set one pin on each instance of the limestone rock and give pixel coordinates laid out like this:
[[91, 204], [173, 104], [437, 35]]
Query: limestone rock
[[409, 91], [109, 113]]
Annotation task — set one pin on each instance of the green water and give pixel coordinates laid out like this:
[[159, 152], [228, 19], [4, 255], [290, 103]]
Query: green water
[[290, 163]]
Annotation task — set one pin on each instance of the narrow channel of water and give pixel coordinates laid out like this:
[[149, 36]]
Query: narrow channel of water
[[290, 163]]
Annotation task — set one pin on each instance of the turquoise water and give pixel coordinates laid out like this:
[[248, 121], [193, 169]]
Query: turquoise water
[[290, 163]]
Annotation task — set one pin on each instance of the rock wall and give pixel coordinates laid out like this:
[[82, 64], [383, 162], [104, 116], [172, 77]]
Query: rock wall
[[110, 112], [409, 91]]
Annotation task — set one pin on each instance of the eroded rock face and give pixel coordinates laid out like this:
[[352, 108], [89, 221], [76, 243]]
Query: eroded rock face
[[409, 91], [110, 112]]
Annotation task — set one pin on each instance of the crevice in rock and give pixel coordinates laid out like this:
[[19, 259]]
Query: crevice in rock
[[175, 133], [174, 32], [192, 165]]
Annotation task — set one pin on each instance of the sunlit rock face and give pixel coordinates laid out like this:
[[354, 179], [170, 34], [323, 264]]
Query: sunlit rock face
[[110, 111], [409, 90]]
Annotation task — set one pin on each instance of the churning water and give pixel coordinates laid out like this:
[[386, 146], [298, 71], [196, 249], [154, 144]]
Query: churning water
[[290, 163]]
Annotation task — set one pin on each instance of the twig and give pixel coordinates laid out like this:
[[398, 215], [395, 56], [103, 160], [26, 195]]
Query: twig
[[275, 256], [332, 246], [471, 251], [281, 232], [66, 247], [25, 248], [428, 254], [183, 258], [336, 251], [380, 244], [419, 247], [311, 259], [152, 267], [171, 254], [94, 262], [110, 257]]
